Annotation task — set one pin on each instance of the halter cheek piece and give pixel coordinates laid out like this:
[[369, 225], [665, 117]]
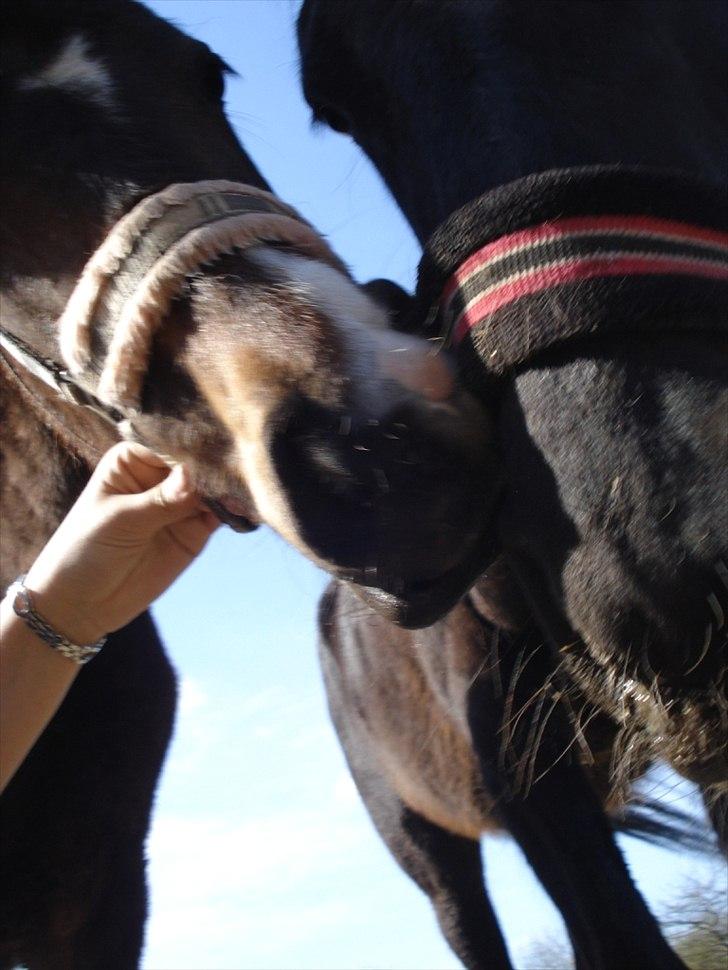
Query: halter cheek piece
[[127, 287], [58, 378]]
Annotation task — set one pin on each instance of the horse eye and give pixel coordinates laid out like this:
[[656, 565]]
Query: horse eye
[[333, 117], [214, 70]]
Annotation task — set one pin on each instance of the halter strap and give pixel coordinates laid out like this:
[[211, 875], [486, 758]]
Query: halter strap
[[575, 253], [566, 252], [57, 378], [127, 287]]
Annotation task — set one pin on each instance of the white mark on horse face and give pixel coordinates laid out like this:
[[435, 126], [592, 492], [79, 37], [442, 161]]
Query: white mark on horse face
[[77, 71], [383, 365]]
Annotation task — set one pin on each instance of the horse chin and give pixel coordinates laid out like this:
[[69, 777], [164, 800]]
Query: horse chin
[[413, 612], [233, 513], [419, 604], [234, 521], [688, 731]]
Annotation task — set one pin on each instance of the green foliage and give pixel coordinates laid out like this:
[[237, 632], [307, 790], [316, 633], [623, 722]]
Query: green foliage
[[695, 923]]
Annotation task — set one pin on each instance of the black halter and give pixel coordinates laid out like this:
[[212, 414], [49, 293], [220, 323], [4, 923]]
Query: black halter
[[572, 253], [59, 379]]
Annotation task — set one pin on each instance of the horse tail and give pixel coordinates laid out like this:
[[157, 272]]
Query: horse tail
[[663, 825]]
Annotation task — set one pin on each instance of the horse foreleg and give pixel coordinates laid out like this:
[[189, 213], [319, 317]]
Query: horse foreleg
[[447, 867], [545, 800]]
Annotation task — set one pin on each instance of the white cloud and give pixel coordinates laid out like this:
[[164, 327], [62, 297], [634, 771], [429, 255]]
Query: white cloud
[[217, 879], [192, 696], [245, 855]]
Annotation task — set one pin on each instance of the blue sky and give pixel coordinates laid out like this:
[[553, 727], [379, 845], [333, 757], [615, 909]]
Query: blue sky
[[261, 857]]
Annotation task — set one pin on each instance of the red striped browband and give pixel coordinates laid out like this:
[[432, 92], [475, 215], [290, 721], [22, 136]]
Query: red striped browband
[[571, 250]]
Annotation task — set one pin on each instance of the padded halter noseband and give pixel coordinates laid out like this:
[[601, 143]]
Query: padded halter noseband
[[126, 288], [128, 285], [574, 253]]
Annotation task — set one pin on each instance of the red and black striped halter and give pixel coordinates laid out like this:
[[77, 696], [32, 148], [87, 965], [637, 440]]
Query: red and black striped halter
[[572, 253], [569, 251]]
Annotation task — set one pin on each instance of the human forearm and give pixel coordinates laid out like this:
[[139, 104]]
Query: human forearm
[[134, 528], [34, 680]]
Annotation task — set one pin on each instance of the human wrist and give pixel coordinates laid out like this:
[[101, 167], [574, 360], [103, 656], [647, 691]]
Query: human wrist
[[59, 605]]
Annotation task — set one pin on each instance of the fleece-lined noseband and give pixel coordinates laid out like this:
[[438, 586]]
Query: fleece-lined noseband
[[576, 252], [127, 287]]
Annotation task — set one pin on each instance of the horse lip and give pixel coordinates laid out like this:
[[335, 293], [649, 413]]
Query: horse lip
[[227, 512], [421, 603], [235, 506]]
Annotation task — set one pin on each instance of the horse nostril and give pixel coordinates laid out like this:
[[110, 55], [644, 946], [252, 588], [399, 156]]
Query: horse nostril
[[324, 477], [315, 444]]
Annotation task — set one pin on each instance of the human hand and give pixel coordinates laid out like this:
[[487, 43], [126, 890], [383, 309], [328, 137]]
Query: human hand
[[134, 528]]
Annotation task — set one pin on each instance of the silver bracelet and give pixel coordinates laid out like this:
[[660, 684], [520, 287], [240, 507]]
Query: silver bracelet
[[25, 609]]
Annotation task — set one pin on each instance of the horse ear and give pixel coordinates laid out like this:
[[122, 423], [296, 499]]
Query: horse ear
[[392, 298]]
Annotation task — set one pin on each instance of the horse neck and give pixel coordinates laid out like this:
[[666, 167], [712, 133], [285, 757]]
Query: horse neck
[[40, 477]]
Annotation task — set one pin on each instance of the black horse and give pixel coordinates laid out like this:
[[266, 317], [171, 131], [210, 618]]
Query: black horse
[[585, 298], [153, 288], [610, 536]]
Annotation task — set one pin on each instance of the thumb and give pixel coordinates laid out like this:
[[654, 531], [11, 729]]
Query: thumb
[[174, 498]]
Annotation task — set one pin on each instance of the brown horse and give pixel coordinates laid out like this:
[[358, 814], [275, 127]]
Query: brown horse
[[153, 288]]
